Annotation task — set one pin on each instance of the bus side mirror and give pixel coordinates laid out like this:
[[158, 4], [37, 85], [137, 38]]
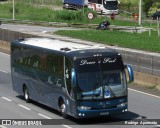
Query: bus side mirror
[[130, 73], [73, 78]]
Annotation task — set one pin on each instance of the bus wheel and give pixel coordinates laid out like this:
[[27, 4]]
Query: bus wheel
[[26, 94], [63, 109]]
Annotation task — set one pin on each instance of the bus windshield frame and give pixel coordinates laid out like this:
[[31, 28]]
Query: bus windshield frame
[[100, 78]]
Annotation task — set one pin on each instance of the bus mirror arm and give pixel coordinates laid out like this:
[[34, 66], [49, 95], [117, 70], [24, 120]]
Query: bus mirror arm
[[130, 73]]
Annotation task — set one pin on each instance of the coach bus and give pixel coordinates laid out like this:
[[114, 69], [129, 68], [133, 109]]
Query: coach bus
[[79, 80]]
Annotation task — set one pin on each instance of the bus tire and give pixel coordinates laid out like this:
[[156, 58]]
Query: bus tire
[[63, 109], [26, 94]]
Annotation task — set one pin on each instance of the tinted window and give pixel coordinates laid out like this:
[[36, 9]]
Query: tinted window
[[38, 59], [54, 64]]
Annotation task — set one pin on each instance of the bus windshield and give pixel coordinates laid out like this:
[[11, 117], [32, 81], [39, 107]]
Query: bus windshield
[[110, 5], [101, 80]]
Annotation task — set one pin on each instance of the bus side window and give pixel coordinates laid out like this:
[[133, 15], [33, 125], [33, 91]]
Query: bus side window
[[54, 64], [42, 65], [49, 64], [59, 65], [34, 61]]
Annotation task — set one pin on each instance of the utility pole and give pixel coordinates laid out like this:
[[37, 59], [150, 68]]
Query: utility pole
[[13, 10], [83, 7], [140, 13]]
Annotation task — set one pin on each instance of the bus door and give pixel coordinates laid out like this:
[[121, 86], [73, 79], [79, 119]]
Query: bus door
[[70, 76]]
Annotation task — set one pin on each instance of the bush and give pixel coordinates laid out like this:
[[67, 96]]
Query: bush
[[11, 10], [66, 15], [70, 15]]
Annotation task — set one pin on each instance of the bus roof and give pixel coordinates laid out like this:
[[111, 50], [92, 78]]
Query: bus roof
[[71, 48], [54, 44]]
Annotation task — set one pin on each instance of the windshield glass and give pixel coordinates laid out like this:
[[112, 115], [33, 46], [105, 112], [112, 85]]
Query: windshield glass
[[100, 85], [100, 78], [110, 5]]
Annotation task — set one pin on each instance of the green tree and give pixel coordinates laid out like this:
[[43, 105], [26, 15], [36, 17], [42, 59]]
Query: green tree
[[147, 4]]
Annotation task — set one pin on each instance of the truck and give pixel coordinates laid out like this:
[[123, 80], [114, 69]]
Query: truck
[[105, 7], [75, 4]]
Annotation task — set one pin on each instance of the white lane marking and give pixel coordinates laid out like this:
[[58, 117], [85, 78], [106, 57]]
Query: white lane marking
[[3, 71], [6, 99], [144, 93], [24, 107], [1, 126], [66, 126], [44, 116]]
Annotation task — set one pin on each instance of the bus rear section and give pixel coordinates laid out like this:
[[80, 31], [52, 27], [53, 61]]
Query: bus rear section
[[106, 7]]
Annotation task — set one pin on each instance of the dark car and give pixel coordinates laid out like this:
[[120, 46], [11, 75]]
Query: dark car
[[155, 15]]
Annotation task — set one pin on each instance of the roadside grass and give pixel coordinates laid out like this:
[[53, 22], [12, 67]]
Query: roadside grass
[[42, 2], [141, 41], [136, 2], [130, 40], [26, 11]]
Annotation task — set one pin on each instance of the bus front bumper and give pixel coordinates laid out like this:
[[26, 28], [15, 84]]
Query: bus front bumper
[[101, 112]]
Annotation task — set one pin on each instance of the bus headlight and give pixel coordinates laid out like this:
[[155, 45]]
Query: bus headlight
[[84, 108], [122, 105]]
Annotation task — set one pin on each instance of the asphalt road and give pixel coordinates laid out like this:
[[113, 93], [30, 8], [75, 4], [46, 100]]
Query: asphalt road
[[35, 29], [12, 106]]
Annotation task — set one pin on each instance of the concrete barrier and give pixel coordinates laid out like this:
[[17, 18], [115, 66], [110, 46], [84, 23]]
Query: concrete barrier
[[5, 47], [147, 80]]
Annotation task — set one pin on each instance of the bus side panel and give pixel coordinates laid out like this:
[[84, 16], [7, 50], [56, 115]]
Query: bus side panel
[[16, 78], [17, 83]]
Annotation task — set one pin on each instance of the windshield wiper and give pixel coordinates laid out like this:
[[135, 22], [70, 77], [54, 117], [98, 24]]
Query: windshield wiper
[[91, 93]]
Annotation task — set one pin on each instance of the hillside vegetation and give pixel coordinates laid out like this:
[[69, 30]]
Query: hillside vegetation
[[134, 2]]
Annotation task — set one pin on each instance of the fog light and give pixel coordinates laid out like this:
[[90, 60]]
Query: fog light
[[121, 105]]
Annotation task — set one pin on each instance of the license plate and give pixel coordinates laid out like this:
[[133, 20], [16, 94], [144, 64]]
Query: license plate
[[104, 113]]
